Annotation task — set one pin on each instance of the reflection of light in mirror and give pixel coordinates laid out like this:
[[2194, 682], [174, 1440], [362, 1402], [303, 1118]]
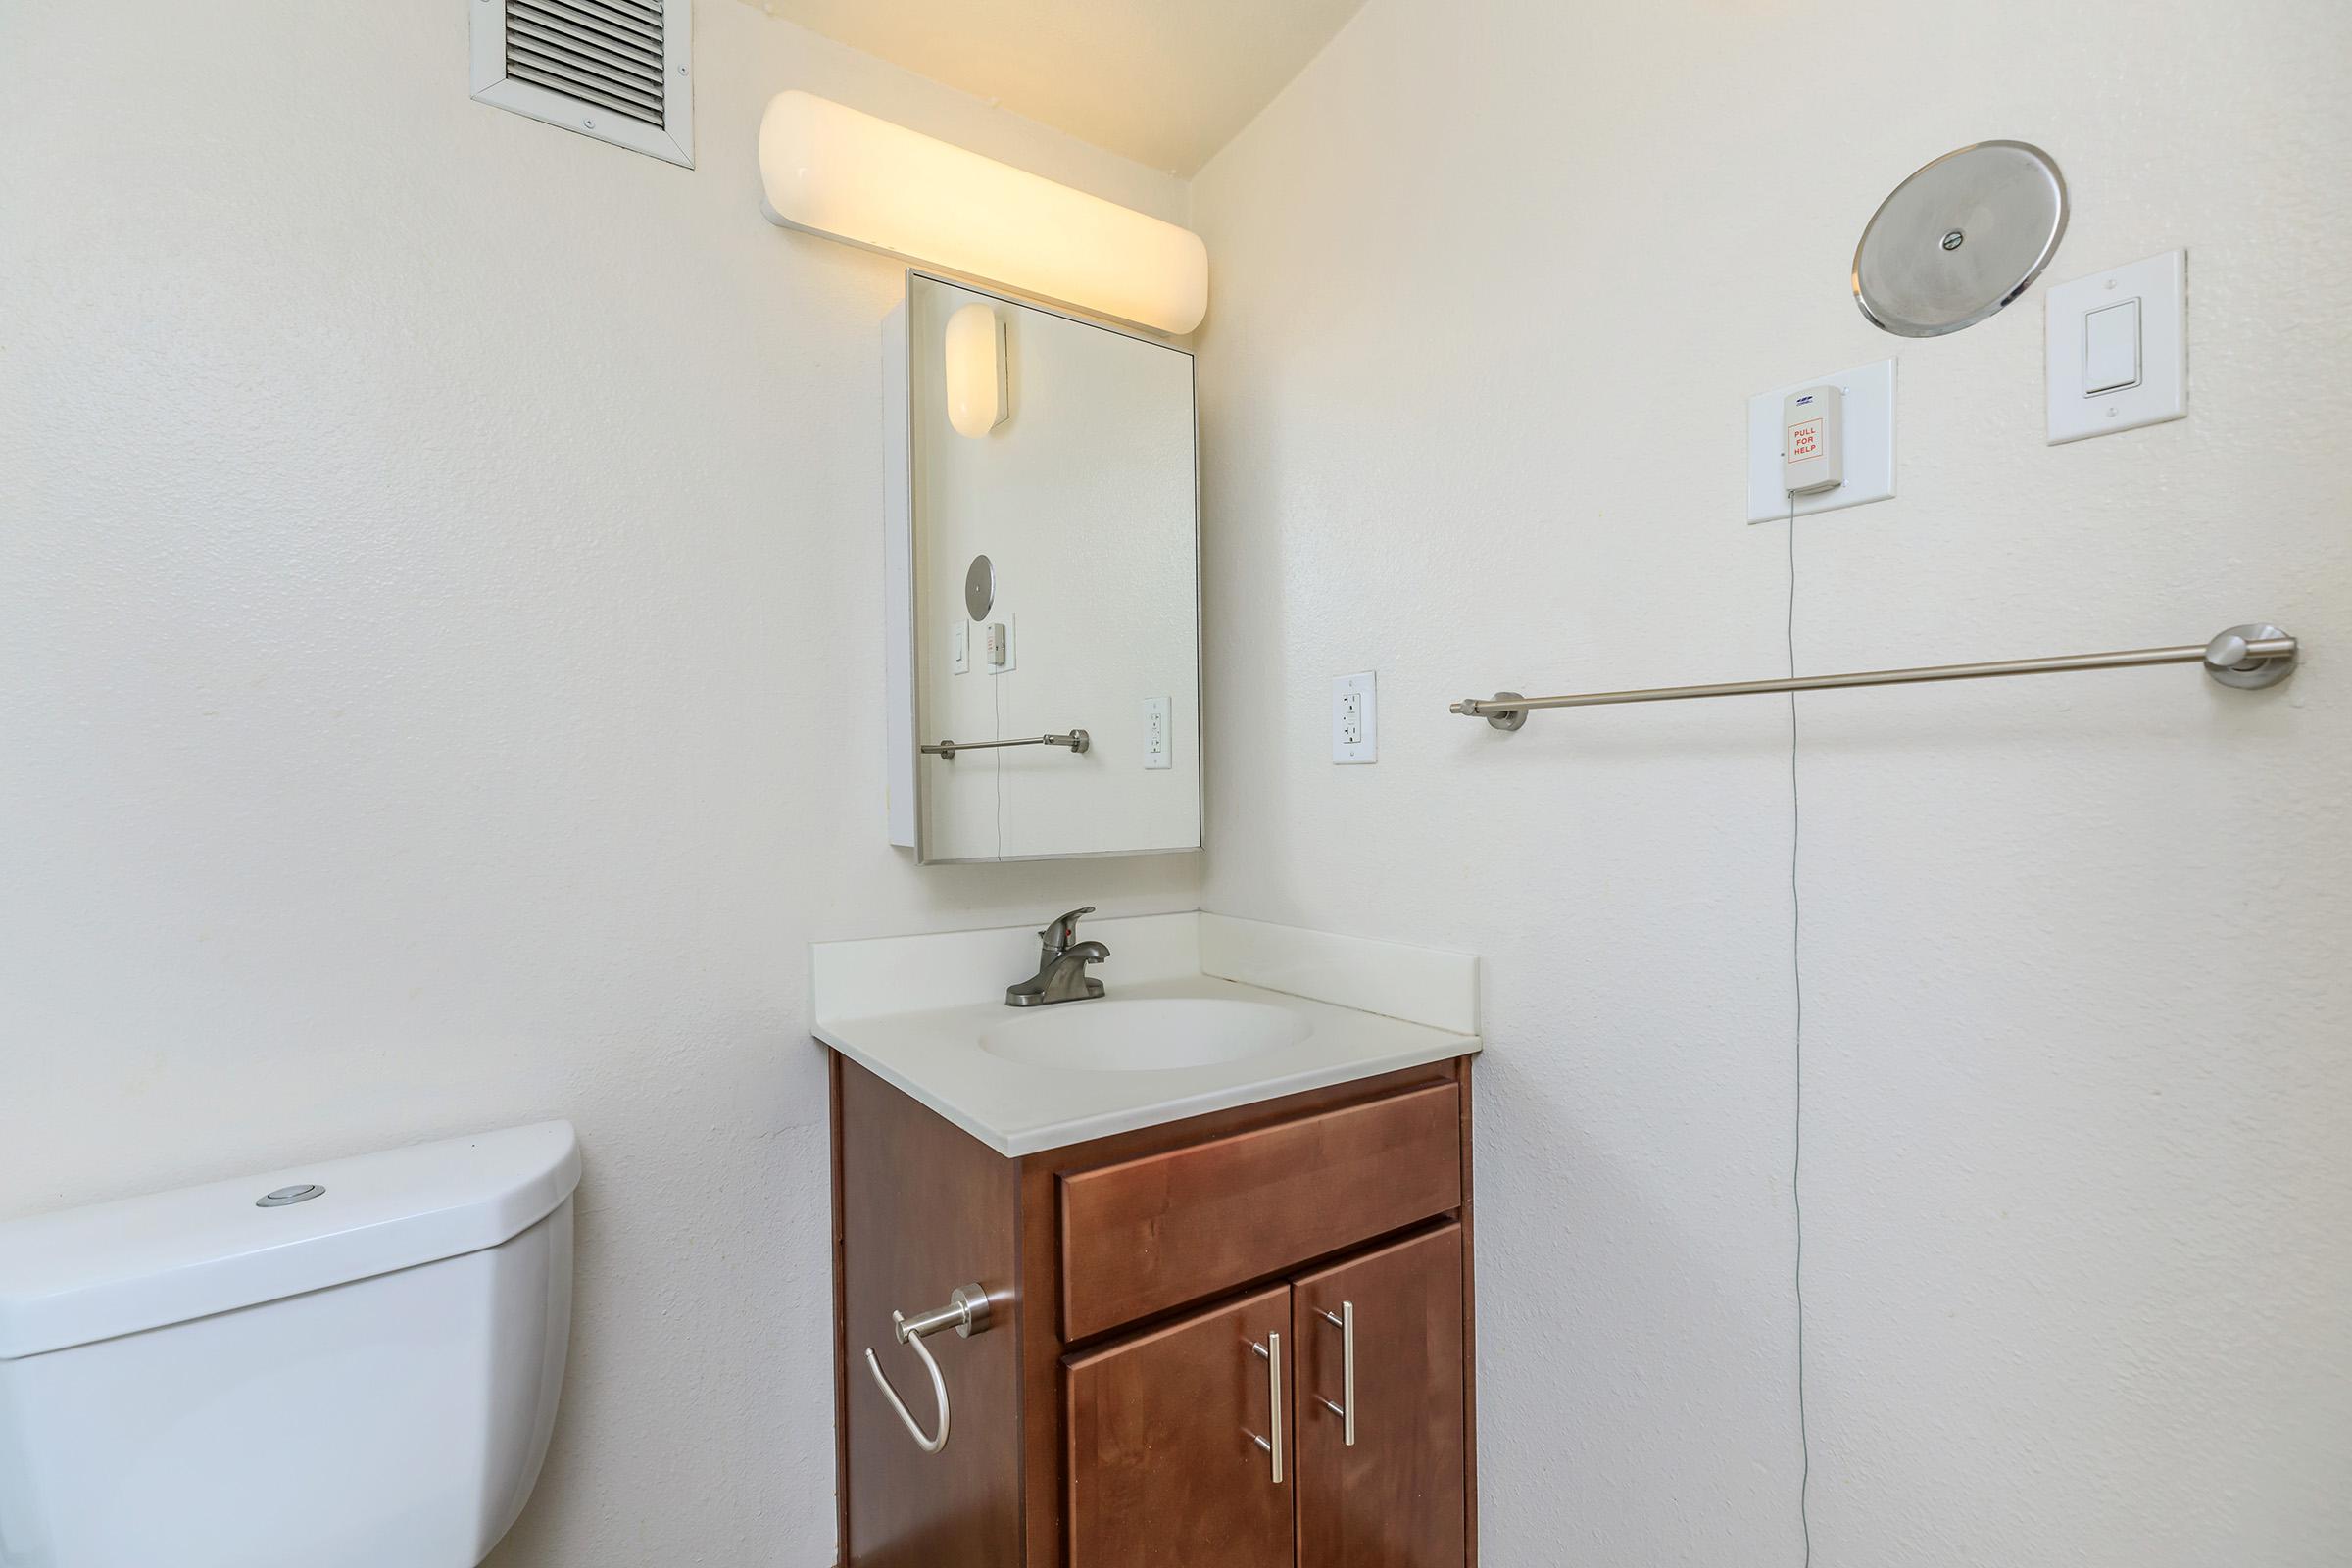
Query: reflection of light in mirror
[[976, 403]]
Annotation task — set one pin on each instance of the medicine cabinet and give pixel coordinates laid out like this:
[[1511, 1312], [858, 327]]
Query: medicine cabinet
[[1044, 583]]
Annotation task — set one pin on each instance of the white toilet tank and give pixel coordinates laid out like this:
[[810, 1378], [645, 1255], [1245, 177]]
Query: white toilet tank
[[253, 1375]]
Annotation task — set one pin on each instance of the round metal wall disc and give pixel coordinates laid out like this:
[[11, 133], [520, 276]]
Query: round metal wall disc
[[979, 587], [1960, 238]]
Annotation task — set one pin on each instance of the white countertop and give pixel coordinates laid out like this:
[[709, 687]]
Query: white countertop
[[913, 1010]]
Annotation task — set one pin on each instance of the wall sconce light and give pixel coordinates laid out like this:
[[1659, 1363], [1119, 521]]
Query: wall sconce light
[[834, 172], [976, 400]]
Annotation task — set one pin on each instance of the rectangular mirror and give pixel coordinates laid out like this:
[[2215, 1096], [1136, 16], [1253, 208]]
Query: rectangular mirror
[[1045, 582]]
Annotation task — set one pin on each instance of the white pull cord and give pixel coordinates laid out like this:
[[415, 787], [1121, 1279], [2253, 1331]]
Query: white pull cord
[[1796, 966]]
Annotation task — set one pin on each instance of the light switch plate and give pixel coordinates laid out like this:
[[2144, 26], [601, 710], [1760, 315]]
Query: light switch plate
[[1158, 742], [960, 648], [1869, 413], [2160, 285], [1354, 720]]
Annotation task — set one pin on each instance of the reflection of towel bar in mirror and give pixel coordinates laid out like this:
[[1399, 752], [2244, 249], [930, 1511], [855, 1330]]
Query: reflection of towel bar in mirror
[[1076, 740]]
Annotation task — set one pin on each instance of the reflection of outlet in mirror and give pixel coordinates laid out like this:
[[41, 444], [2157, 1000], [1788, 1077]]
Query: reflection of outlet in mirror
[[960, 649], [1354, 720], [1156, 733]]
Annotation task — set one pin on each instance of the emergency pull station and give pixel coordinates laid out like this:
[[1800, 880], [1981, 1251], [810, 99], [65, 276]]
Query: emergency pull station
[[1813, 441]]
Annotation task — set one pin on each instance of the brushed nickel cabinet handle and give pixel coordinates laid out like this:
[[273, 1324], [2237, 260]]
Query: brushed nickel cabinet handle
[[1344, 1322], [1270, 1352], [966, 1313]]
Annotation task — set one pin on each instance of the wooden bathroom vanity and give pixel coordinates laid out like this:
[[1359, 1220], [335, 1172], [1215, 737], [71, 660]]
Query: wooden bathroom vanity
[[1239, 1340]]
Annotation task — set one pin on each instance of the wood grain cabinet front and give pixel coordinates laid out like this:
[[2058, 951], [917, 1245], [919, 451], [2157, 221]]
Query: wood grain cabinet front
[[1148, 1234], [1179, 1441], [1382, 1408], [1239, 1341], [1176, 1460]]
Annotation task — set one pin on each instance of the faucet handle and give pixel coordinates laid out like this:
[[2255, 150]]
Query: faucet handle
[[1063, 930]]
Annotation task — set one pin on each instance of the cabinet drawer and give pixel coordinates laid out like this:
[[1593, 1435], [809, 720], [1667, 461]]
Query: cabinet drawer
[[1155, 1233]]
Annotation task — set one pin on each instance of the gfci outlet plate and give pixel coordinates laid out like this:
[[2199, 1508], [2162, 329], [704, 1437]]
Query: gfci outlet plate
[[1354, 720], [1869, 444]]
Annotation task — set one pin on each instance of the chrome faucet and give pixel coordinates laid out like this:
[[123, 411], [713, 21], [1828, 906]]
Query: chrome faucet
[[1060, 967]]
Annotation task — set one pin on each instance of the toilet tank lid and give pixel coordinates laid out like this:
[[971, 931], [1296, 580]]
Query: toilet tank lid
[[89, 1274]]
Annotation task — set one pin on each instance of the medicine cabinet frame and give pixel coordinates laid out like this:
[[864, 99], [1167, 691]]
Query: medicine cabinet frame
[[908, 776]]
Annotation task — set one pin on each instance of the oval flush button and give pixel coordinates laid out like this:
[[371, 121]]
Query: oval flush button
[[289, 1195]]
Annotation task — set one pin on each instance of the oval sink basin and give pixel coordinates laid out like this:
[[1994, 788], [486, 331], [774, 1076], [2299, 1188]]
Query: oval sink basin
[[1150, 1034]]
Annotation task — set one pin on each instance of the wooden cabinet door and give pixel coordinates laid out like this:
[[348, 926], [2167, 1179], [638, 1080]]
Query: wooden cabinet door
[[1395, 1498], [1165, 1464]]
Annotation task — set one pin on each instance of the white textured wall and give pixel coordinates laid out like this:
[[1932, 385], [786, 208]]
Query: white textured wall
[[440, 586], [1492, 283]]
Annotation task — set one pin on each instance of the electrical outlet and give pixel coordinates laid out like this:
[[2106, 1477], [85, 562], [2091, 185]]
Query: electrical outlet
[[1156, 752], [1354, 720], [1000, 647]]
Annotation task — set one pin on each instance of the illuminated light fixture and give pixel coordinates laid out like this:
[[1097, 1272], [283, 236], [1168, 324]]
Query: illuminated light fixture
[[976, 402], [834, 172]]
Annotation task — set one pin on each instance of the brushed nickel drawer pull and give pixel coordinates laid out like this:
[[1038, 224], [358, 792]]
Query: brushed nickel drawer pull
[[1344, 1322], [1270, 1352], [966, 1313]]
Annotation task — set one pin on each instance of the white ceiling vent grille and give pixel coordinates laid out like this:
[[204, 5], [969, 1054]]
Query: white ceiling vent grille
[[615, 69]]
